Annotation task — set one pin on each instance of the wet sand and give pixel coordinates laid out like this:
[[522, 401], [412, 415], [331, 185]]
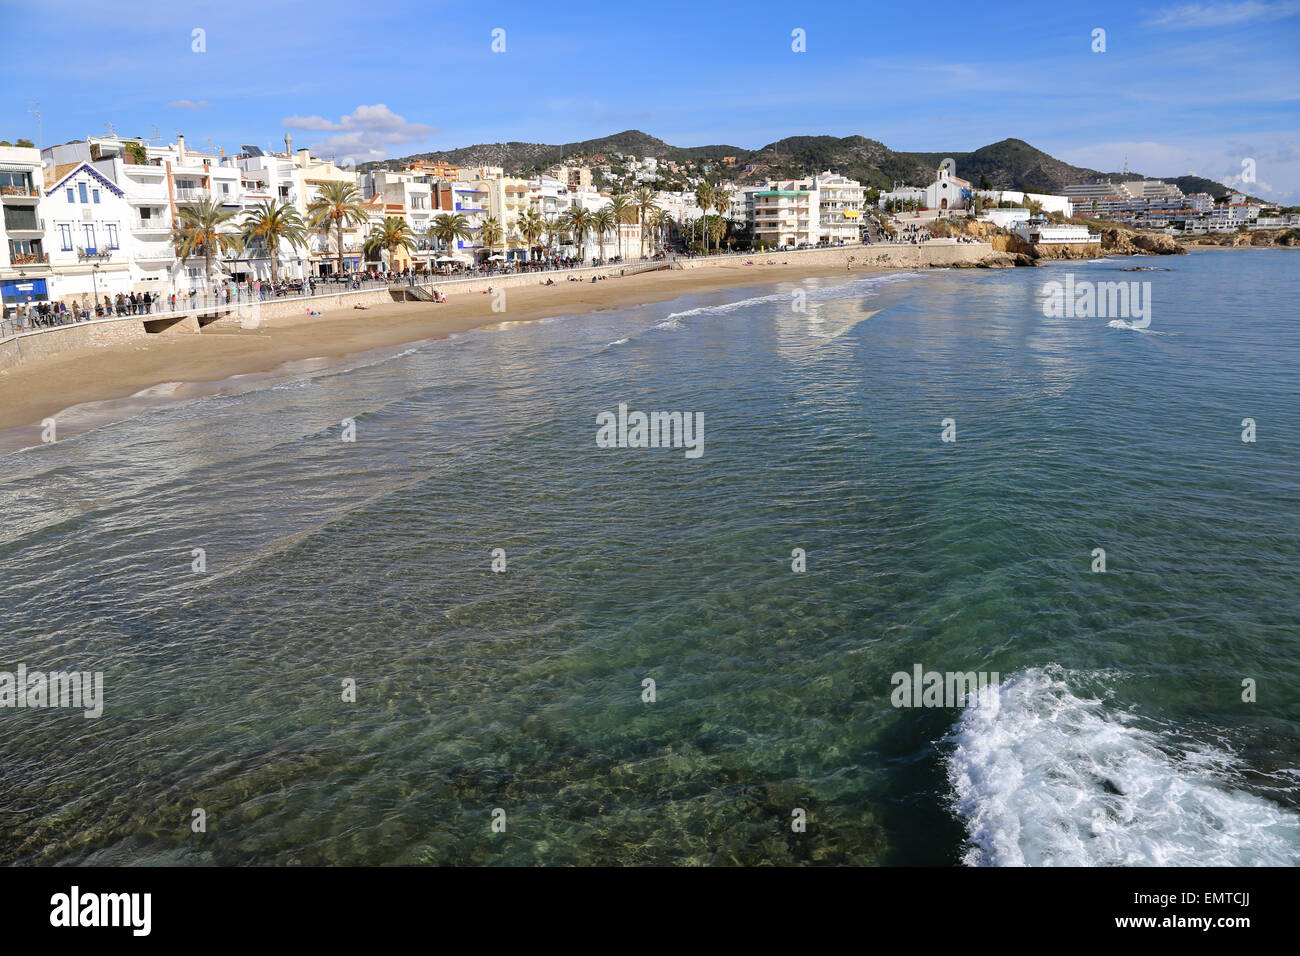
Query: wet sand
[[41, 389]]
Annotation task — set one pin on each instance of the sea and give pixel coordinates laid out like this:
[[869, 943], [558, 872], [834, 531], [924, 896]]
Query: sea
[[408, 609]]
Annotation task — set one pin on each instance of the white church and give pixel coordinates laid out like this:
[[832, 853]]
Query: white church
[[947, 191]]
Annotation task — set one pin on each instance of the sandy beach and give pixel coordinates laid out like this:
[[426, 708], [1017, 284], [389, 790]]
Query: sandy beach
[[41, 389]]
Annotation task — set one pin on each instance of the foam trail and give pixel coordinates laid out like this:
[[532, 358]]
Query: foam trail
[[843, 290], [1042, 777]]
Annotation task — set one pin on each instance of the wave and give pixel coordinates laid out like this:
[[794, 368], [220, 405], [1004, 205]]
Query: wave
[[1042, 777], [1129, 326]]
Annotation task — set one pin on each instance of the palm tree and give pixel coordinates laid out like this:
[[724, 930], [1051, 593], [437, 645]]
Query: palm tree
[[449, 227], [659, 222], [274, 223], [200, 233], [532, 225], [722, 203], [392, 234], [602, 223], [625, 211], [337, 204], [704, 199], [491, 233], [554, 227], [645, 201], [579, 223]]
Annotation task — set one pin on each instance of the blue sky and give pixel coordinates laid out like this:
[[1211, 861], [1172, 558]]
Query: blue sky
[[1181, 88]]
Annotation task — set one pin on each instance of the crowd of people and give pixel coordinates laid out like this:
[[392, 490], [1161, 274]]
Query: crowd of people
[[34, 315]]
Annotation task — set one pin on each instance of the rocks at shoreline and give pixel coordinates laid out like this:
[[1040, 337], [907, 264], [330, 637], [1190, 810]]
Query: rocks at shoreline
[[1258, 238]]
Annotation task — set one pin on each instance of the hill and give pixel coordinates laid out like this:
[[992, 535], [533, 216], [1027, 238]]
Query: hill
[[1009, 164]]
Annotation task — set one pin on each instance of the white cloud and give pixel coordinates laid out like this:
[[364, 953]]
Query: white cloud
[[1191, 16], [364, 134], [189, 104]]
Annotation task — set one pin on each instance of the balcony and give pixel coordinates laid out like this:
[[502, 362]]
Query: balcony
[[29, 258], [35, 226], [94, 253], [150, 225], [19, 192], [153, 168], [192, 195]]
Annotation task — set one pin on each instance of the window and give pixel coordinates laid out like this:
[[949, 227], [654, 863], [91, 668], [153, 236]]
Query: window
[[112, 235], [65, 236], [81, 191], [16, 179], [89, 229], [95, 192], [225, 189], [71, 196]]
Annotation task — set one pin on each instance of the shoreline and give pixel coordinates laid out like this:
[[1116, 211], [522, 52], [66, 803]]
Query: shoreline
[[49, 387], [203, 363]]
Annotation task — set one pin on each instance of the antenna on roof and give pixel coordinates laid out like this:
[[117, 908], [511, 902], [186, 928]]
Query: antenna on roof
[[112, 132], [40, 131]]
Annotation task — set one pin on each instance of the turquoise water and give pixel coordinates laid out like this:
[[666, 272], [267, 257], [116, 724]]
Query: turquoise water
[[1118, 735]]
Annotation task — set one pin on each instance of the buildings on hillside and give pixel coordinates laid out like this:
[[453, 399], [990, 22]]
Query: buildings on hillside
[[1153, 204]]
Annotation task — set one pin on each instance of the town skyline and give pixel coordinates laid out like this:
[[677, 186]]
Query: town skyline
[[1177, 90]]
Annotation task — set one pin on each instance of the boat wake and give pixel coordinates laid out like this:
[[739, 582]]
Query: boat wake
[[1042, 777]]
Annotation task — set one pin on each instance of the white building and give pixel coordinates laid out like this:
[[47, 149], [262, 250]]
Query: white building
[[25, 273], [839, 203], [1041, 232], [947, 191], [1006, 218], [88, 217], [1047, 201]]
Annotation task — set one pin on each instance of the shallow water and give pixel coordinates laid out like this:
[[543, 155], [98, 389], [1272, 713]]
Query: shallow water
[[1120, 716]]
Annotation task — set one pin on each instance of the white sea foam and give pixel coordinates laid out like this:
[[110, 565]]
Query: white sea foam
[[619, 342], [1042, 777], [1129, 326], [844, 290]]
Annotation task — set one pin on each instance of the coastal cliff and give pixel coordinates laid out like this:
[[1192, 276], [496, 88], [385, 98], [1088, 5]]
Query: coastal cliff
[[1262, 237], [1115, 241]]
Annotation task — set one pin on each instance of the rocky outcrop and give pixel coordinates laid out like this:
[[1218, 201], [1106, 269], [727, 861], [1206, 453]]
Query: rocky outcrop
[[1260, 237], [1126, 242]]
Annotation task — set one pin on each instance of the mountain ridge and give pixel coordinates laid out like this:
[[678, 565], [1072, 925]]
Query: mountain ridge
[[1007, 164]]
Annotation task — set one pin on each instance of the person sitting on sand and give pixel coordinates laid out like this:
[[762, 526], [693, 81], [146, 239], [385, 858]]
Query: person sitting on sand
[[314, 312], [363, 308]]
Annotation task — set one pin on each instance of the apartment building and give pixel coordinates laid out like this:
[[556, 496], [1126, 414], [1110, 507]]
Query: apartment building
[[25, 272], [839, 202], [786, 213], [508, 199], [405, 195]]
